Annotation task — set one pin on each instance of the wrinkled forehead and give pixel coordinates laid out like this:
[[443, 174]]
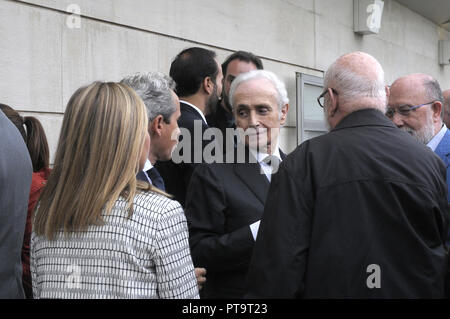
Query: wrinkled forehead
[[256, 85], [254, 89]]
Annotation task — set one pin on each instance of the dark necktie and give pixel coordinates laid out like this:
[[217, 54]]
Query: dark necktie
[[156, 178]]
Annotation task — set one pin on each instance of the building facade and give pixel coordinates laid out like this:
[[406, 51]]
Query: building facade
[[49, 48]]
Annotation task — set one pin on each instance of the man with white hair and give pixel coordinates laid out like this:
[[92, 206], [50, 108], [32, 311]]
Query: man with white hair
[[360, 212], [225, 201]]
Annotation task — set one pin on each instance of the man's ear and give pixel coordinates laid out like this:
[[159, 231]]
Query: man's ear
[[284, 112], [155, 126], [333, 105], [437, 110], [208, 85]]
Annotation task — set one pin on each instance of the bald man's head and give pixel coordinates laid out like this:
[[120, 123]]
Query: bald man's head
[[355, 81], [415, 105]]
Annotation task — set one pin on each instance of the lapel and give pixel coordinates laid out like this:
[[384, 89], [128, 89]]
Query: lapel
[[256, 181], [251, 175], [443, 149]]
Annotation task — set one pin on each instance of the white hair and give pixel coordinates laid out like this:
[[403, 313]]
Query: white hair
[[282, 97], [352, 86]]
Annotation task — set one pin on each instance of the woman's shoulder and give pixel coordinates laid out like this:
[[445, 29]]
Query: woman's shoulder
[[156, 203]]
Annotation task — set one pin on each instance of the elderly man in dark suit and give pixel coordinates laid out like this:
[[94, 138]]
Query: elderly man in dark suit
[[15, 177], [225, 201], [360, 212]]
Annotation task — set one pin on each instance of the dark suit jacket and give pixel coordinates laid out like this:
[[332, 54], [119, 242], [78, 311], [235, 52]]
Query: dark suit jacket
[[223, 120], [222, 201], [15, 177], [176, 176], [364, 194]]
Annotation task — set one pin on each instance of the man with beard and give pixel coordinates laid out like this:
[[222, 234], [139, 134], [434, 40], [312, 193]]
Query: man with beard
[[198, 79], [359, 212], [416, 106]]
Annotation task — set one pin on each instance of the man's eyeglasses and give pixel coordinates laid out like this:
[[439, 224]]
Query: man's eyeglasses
[[404, 110], [321, 98]]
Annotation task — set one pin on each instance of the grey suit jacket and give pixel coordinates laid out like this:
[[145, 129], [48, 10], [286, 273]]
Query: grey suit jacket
[[15, 182]]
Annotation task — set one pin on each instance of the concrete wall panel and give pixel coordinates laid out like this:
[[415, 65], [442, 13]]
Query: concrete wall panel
[[45, 61], [30, 63]]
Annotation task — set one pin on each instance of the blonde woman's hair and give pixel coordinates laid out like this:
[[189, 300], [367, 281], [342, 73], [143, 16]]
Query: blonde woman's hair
[[96, 161]]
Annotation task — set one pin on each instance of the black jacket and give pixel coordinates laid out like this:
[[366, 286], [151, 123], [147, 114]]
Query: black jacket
[[221, 119], [364, 194]]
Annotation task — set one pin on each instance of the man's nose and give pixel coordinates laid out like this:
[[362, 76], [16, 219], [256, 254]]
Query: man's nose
[[253, 119]]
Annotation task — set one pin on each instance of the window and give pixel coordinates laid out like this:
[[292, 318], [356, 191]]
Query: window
[[310, 121]]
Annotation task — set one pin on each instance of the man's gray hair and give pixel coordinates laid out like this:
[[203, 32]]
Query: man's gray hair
[[282, 97], [352, 86], [154, 88], [434, 92]]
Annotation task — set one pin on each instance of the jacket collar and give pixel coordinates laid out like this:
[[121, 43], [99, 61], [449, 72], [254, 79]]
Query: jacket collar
[[191, 108], [251, 175], [364, 117]]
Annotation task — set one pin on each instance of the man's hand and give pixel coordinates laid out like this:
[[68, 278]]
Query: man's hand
[[200, 274]]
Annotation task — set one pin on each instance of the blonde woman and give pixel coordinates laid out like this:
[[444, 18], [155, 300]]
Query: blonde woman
[[99, 233]]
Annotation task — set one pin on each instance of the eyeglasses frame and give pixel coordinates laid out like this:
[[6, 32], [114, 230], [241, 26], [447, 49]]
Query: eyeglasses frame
[[323, 94]]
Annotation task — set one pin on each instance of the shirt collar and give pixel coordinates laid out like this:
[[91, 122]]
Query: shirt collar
[[197, 109], [437, 138], [260, 156], [148, 165]]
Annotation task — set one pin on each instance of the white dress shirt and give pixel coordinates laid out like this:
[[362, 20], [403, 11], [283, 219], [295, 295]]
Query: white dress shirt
[[148, 165], [267, 170]]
